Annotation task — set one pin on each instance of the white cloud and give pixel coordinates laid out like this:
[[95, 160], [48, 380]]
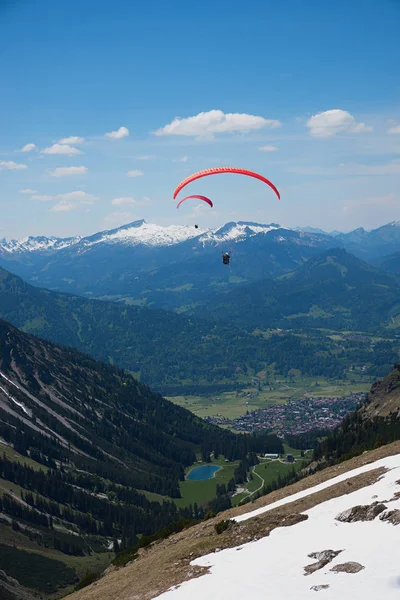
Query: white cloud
[[331, 122], [68, 171], [73, 139], [63, 206], [118, 218], [28, 148], [182, 159], [391, 168], [124, 201], [118, 135], [394, 130], [61, 149], [27, 191], [268, 149], [135, 173], [10, 165], [379, 202], [146, 157], [77, 196], [206, 124]]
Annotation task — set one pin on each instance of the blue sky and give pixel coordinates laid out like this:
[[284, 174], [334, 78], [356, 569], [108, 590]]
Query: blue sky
[[315, 84]]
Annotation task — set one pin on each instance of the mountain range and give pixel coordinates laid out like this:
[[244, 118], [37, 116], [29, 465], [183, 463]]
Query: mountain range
[[164, 349], [174, 266], [333, 290], [213, 347]]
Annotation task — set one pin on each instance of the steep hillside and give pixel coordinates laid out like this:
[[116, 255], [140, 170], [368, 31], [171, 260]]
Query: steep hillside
[[334, 290], [384, 397], [375, 423], [302, 538], [77, 439]]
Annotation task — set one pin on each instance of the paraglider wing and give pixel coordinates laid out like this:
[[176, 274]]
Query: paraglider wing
[[204, 198], [217, 170]]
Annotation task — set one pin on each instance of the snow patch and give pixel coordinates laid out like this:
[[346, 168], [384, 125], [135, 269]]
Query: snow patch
[[274, 565]]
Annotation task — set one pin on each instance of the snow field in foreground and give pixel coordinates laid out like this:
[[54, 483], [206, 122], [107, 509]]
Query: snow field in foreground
[[273, 567]]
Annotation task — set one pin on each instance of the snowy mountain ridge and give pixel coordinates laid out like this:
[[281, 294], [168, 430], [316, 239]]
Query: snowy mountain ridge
[[37, 244], [140, 233]]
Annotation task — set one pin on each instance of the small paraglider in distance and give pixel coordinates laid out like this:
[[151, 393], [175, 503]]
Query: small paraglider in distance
[[203, 198], [226, 257]]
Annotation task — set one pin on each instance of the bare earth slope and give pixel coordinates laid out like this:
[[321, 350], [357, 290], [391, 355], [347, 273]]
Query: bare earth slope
[[168, 564]]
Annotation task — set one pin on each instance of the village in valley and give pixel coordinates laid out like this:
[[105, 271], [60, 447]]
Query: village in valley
[[297, 416]]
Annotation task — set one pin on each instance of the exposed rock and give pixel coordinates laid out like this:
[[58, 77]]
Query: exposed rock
[[393, 516], [348, 567], [323, 558], [317, 588], [361, 513], [11, 588]]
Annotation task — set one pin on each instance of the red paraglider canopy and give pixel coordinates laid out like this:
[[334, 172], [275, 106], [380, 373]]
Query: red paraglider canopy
[[217, 170], [204, 198]]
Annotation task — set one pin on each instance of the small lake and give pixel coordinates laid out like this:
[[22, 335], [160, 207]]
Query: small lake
[[202, 473]]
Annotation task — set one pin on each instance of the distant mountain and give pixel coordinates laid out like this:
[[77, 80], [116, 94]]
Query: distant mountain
[[176, 267], [309, 229], [371, 245], [160, 266], [334, 290], [174, 353], [390, 263], [161, 347]]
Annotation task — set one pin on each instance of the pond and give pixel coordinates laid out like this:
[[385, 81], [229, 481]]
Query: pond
[[202, 473]]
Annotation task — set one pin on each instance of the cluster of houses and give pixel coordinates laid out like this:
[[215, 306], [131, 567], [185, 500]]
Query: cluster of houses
[[296, 416]]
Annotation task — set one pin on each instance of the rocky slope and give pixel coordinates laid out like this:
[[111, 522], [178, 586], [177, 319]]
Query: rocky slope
[[384, 397]]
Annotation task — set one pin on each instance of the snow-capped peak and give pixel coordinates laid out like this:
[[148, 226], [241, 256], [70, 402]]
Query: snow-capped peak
[[237, 231], [147, 234], [37, 244]]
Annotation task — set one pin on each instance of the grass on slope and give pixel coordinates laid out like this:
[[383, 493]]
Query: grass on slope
[[265, 473], [15, 456]]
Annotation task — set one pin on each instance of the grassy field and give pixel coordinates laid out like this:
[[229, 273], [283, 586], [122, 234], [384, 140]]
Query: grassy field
[[266, 472], [204, 491], [15, 456], [232, 405]]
